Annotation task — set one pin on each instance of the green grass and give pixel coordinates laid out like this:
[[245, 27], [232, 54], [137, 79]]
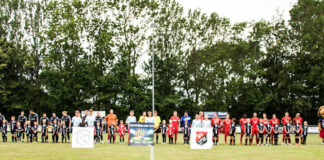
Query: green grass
[[313, 150]]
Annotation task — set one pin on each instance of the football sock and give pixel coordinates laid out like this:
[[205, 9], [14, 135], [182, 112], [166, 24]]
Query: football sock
[[157, 138]]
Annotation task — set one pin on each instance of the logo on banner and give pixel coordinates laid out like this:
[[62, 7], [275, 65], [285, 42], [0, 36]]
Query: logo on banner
[[83, 137], [201, 138]]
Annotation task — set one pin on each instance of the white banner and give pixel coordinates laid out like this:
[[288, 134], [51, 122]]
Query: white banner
[[82, 137], [201, 138], [102, 113]]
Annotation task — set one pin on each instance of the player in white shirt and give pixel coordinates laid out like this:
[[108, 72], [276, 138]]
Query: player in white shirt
[[149, 119], [131, 118], [76, 120], [196, 123], [206, 123], [90, 119]]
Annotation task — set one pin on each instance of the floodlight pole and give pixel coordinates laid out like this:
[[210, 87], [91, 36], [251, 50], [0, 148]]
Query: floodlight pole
[[153, 26]]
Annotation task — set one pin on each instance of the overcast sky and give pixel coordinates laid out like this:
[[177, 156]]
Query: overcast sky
[[242, 10]]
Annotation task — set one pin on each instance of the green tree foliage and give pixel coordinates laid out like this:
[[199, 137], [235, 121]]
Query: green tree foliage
[[73, 54]]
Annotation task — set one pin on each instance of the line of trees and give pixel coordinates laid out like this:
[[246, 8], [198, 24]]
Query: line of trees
[[78, 54]]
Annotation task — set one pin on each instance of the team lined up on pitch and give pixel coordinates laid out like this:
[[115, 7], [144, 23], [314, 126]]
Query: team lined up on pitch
[[265, 131]]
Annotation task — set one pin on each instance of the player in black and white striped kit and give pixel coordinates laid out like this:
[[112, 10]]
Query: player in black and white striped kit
[[304, 133], [248, 131], [186, 132], [55, 131], [67, 123], [64, 130], [164, 129], [4, 127], [297, 129], [33, 117], [54, 117], [44, 131], [29, 132], [287, 129], [232, 132], [19, 131], [268, 134], [22, 119], [216, 128], [44, 118], [13, 125]]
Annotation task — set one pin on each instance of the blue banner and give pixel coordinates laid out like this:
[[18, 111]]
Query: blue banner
[[141, 134]]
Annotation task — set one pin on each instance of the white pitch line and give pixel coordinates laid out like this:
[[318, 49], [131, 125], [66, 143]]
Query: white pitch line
[[152, 153]]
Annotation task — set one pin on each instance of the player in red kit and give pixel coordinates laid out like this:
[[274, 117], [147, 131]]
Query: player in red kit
[[170, 131], [284, 121], [255, 122], [272, 122], [215, 119], [264, 120], [227, 127], [201, 115], [121, 131], [243, 121], [298, 118], [175, 122]]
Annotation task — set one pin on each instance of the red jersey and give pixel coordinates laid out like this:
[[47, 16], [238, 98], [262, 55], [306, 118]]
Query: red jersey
[[170, 130], [121, 129], [283, 120], [214, 120], [202, 118], [255, 122], [227, 123], [299, 119], [243, 121], [264, 121], [273, 120], [175, 121]]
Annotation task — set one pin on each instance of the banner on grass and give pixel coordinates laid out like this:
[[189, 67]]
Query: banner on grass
[[82, 137], [141, 134], [201, 138]]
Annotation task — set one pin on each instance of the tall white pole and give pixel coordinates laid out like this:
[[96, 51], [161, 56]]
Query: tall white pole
[[153, 69], [153, 26]]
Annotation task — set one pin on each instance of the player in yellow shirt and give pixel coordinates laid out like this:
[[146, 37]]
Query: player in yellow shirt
[[142, 118], [157, 121]]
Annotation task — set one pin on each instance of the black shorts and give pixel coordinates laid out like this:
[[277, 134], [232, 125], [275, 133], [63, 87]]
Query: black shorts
[[268, 135], [216, 135], [248, 134], [186, 135], [276, 135], [297, 133], [44, 134], [13, 132], [157, 131], [287, 135], [260, 135], [232, 134]]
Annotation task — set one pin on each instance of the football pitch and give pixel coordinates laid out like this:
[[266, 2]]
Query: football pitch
[[24, 151]]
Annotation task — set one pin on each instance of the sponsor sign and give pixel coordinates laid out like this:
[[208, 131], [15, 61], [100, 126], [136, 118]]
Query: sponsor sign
[[201, 138], [141, 134], [82, 137]]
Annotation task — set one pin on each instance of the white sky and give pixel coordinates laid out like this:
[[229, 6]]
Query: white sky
[[242, 10]]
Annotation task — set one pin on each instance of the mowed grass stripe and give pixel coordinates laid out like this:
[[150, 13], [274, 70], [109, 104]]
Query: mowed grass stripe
[[313, 150]]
